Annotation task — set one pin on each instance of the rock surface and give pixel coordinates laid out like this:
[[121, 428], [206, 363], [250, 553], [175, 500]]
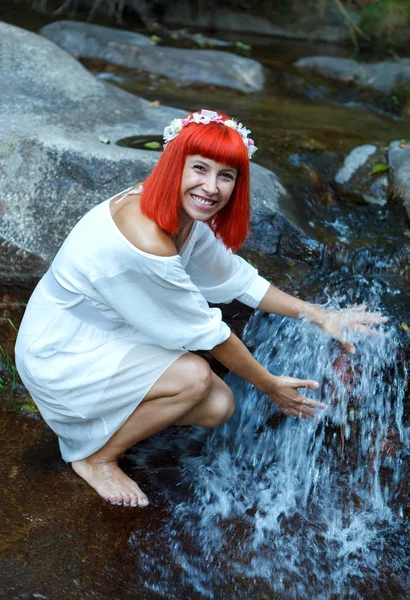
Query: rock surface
[[53, 164], [399, 161], [209, 67], [354, 161], [382, 77], [357, 180], [179, 13], [350, 177], [55, 168], [275, 227]]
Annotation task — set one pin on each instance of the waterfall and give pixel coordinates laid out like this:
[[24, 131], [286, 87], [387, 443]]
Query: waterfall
[[278, 507]]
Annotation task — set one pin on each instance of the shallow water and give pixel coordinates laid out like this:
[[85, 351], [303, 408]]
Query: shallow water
[[297, 509]]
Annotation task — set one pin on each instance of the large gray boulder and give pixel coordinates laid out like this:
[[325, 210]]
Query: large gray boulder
[[132, 50], [382, 77], [55, 167], [53, 117]]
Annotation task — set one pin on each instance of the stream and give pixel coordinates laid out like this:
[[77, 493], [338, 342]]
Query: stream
[[268, 507]]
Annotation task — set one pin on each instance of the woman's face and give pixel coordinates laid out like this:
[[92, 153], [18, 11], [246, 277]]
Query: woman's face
[[206, 187]]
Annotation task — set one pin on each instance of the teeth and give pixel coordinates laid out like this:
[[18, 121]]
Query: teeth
[[199, 200]]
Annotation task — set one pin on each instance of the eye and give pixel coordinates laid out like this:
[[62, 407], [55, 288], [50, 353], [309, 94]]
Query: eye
[[199, 168], [229, 176]]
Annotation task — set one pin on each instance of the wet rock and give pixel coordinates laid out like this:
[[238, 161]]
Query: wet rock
[[353, 161], [182, 38], [358, 180], [382, 77], [210, 67], [350, 177], [399, 162], [204, 41], [209, 15], [378, 192], [275, 224]]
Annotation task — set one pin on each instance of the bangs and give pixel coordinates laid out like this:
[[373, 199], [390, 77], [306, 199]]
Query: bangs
[[221, 144]]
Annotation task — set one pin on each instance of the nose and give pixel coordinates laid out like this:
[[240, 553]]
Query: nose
[[210, 184]]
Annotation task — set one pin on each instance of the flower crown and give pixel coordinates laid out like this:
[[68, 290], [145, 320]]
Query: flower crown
[[204, 117]]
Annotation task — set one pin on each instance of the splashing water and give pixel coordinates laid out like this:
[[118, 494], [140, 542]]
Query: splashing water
[[297, 509]]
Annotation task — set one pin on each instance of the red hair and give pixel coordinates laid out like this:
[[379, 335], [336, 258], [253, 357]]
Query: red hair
[[160, 199]]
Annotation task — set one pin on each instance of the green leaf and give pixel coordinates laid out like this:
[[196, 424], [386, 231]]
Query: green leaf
[[12, 324], [153, 146], [29, 406], [380, 168], [242, 46], [395, 100], [156, 39]]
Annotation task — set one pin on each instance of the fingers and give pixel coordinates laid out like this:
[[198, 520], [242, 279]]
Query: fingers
[[358, 308], [361, 316], [312, 384], [290, 401], [366, 330], [349, 347], [312, 403], [302, 407]]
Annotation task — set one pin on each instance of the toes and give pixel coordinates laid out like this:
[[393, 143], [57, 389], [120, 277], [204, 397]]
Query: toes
[[140, 498], [142, 501], [126, 498], [134, 502], [114, 499]]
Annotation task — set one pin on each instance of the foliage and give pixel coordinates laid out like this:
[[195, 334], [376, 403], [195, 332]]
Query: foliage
[[153, 146], [385, 21], [379, 168], [8, 371], [388, 21]]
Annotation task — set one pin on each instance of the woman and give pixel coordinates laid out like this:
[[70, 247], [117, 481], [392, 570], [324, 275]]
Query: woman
[[105, 344]]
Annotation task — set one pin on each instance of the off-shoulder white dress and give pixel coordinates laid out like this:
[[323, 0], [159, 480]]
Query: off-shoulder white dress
[[108, 319]]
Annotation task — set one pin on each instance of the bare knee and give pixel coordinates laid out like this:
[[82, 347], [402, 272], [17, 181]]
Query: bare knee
[[197, 377], [221, 408]]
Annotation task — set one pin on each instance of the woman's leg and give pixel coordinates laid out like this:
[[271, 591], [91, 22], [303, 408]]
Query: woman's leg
[[187, 393]]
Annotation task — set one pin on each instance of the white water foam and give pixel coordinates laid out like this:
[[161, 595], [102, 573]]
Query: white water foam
[[298, 509]]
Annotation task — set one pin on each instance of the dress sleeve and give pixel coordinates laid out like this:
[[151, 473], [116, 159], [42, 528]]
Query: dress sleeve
[[221, 275], [158, 298]]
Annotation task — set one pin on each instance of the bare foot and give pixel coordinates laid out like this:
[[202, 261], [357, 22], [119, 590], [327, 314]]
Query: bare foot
[[111, 483]]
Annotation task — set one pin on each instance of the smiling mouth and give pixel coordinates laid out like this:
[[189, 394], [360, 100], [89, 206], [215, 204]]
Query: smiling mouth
[[201, 202]]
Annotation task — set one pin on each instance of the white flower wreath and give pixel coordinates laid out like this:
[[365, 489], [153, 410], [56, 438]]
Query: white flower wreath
[[204, 117]]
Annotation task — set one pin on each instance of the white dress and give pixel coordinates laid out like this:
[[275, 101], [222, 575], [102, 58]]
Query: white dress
[[108, 319]]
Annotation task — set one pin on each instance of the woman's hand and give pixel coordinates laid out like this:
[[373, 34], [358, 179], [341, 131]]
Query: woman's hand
[[284, 393], [356, 318]]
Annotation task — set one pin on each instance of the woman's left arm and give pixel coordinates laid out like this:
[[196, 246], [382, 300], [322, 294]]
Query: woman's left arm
[[333, 322]]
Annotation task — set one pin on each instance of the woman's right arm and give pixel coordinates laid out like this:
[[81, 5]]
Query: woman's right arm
[[283, 391]]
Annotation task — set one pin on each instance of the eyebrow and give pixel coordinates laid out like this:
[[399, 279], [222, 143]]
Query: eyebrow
[[205, 164]]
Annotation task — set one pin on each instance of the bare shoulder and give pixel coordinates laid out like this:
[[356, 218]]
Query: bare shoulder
[[139, 230]]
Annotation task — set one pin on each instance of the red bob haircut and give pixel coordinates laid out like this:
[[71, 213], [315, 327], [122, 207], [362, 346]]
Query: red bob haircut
[[160, 199]]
